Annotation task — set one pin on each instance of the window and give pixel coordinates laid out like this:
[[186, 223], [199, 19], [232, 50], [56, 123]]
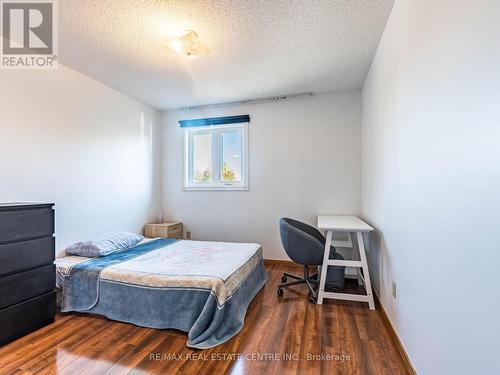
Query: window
[[216, 158]]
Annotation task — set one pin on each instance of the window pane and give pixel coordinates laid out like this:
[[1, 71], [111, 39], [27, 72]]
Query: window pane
[[202, 157], [232, 155]]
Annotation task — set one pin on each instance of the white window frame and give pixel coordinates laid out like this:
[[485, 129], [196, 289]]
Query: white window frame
[[216, 184]]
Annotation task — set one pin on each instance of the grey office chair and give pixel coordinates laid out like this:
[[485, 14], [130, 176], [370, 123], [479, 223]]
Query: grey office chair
[[305, 245]]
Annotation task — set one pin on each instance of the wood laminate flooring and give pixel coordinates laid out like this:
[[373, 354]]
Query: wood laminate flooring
[[281, 335]]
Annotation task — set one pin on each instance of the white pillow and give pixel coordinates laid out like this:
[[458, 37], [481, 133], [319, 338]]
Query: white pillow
[[105, 244]]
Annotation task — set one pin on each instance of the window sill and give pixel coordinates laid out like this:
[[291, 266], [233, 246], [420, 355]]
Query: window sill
[[215, 188]]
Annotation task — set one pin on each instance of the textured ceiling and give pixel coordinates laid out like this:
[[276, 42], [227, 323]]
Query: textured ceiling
[[259, 48]]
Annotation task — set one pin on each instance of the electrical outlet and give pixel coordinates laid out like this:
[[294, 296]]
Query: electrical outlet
[[188, 235], [394, 289]]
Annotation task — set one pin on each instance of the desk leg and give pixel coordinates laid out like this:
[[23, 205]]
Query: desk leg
[[366, 272], [324, 267], [356, 256]]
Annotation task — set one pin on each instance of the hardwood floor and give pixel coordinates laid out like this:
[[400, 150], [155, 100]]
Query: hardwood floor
[[282, 335]]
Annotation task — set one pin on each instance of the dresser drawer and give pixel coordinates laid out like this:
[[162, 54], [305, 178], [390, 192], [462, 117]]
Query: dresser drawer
[[27, 316], [174, 229], [23, 224], [22, 255], [177, 234], [165, 230], [25, 285]]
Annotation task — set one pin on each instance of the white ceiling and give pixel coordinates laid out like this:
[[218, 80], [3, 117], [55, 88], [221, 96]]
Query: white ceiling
[[259, 48]]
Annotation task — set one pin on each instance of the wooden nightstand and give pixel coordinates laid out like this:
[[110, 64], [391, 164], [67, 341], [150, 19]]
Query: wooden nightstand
[[165, 230]]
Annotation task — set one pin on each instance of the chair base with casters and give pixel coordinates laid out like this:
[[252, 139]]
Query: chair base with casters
[[334, 281], [309, 280]]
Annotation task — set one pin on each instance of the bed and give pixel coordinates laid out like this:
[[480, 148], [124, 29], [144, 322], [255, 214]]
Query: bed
[[200, 287]]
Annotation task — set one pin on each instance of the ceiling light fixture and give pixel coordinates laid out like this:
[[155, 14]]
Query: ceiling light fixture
[[188, 45]]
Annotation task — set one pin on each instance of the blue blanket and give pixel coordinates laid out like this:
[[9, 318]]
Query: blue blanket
[[211, 315], [81, 288]]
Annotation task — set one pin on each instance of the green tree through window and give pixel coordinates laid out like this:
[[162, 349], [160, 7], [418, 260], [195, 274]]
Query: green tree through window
[[227, 173]]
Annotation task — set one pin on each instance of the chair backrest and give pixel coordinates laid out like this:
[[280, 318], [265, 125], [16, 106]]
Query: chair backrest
[[303, 243]]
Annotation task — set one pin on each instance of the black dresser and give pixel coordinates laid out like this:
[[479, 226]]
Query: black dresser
[[27, 270]]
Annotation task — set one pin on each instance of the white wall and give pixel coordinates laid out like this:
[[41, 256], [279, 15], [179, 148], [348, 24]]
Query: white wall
[[431, 180], [304, 160], [68, 139]]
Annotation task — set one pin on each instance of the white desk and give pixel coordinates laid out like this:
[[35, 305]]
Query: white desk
[[347, 224]]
